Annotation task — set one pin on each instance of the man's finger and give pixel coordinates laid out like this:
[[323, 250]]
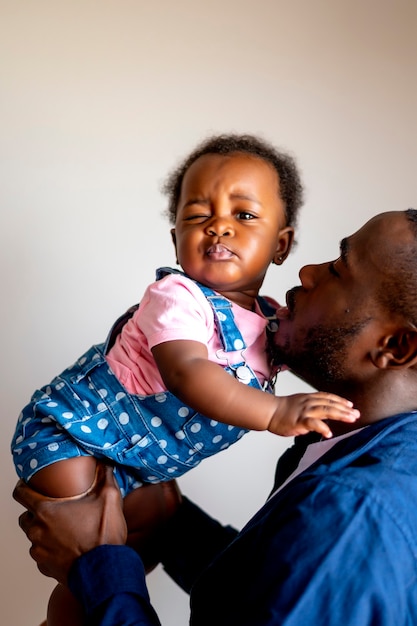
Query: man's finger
[[26, 496], [31, 499], [25, 520]]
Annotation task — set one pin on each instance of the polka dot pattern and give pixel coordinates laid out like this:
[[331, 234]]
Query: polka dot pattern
[[85, 411]]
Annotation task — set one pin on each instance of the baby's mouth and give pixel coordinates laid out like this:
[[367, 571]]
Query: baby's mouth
[[219, 252]]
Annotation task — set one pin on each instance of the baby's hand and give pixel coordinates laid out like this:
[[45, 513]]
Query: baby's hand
[[303, 412]]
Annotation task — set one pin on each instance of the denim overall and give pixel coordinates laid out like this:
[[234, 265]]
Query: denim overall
[[86, 411]]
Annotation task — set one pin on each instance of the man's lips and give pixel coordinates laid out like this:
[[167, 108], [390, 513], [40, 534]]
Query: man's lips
[[219, 252], [287, 312], [282, 313]]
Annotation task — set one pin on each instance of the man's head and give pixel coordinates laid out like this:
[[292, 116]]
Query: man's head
[[353, 321]]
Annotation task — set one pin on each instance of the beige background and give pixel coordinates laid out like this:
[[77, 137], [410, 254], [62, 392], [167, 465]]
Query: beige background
[[99, 100]]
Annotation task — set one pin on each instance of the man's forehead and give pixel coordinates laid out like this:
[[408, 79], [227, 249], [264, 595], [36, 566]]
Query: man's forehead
[[378, 240], [389, 227]]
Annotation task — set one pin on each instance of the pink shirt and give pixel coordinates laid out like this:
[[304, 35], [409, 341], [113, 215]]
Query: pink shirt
[[175, 308]]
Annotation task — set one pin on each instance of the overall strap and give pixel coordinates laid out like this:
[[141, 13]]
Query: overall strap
[[222, 309], [269, 312], [121, 321], [117, 327], [229, 333]]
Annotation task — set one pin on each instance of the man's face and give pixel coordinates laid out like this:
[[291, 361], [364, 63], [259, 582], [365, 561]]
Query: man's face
[[333, 321]]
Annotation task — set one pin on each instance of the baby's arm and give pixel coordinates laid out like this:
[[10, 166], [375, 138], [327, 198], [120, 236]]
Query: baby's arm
[[303, 412], [210, 390]]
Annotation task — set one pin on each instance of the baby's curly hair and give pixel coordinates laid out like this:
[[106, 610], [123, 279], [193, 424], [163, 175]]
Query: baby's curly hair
[[291, 187]]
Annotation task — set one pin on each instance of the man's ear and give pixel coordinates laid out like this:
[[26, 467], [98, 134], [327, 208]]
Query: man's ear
[[397, 350], [285, 241], [174, 241]]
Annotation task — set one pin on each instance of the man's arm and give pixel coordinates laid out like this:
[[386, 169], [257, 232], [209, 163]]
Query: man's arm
[[190, 541], [109, 582], [53, 526], [107, 577]]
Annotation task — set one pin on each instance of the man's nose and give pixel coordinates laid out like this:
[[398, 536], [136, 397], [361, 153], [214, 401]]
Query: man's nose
[[309, 275]]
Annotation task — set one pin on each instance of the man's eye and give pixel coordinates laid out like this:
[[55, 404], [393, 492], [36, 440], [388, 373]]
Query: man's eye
[[332, 269]]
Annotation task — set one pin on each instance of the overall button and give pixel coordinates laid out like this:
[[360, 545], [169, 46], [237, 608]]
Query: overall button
[[243, 374]]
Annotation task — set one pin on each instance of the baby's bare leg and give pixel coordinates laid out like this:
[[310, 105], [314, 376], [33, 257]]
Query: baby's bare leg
[[63, 479]]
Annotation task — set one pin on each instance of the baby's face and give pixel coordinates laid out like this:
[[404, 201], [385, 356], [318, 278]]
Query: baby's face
[[230, 222]]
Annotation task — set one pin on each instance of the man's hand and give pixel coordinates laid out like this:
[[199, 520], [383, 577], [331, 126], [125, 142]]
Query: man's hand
[[61, 529]]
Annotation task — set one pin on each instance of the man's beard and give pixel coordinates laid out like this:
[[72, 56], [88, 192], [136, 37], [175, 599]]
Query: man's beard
[[323, 359]]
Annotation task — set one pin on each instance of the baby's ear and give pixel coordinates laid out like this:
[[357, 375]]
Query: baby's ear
[[174, 241], [285, 241], [397, 350]]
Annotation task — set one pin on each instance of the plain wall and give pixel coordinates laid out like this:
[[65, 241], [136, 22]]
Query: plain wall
[[99, 100]]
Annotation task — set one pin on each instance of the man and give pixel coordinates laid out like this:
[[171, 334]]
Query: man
[[336, 542]]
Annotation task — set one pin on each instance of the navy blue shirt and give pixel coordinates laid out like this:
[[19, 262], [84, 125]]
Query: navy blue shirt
[[337, 545]]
